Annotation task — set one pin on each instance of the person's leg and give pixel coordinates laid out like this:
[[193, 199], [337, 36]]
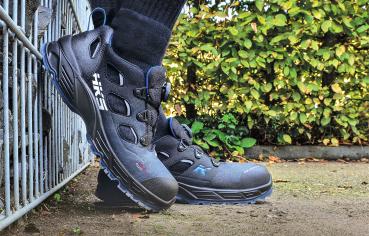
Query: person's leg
[[112, 78], [143, 30], [110, 7]]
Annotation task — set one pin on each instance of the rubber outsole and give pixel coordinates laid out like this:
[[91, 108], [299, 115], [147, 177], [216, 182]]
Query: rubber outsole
[[108, 172], [183, 199], [195, 195]]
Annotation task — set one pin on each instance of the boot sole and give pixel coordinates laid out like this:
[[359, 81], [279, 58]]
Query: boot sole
[[207, 196], [191, 200], [96, 135], [204, 196]]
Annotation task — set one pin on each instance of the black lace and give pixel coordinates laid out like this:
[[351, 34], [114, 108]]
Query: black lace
[[154, 97], [198, 152]]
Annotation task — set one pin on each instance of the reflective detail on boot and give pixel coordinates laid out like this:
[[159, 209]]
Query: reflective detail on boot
[[201, 170], [121, 80], [128, 134], [181, 166], [99, 92], [114, 75], [95, 47], [163, 156], [118, 104]]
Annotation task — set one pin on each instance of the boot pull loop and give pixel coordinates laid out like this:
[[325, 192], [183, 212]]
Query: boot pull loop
[[95, 11]]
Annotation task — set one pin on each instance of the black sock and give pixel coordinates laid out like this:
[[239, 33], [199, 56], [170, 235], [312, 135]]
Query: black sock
[[143, 29], [111, 8]]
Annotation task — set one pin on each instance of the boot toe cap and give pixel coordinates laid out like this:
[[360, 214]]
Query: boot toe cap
[[242, 176], [255, 177], [164, 188]]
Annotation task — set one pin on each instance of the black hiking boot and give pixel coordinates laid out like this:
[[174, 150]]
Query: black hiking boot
[[119, 103], [201, 179]]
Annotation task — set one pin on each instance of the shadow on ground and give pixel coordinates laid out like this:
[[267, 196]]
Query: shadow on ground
[[309, 199]]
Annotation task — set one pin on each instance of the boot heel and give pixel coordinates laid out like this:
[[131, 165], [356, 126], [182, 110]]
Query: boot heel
[[61, 72]]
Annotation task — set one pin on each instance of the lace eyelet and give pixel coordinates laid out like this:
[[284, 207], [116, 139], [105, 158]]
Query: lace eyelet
[[140, 117], [165, 91], [181, 147], [215, 163], [198, 155], [144, 141]]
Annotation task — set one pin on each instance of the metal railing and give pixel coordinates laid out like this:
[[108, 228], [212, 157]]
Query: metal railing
[[42, 143]]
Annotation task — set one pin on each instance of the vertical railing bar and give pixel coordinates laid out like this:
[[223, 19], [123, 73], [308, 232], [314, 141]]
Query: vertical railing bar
[[57, 117], [53, 146], [6, 5], [71, 148], [15, 113], [41, 137], [23, 14], [71, 145], [6, 114], [61, 135], [76, 142], [15, 126], [35, 110], [23, 127], [50, 148], [46, 172], [59, 139], [30, 126], [67, 165]]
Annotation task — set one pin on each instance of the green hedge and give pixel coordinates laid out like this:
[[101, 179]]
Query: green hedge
[[279, 72]]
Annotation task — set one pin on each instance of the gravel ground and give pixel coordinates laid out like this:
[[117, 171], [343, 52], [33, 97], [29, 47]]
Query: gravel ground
[[329, 198]]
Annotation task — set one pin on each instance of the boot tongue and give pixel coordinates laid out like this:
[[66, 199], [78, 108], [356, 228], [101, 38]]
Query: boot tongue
[[180, 131], [156, 86], [156, 77]]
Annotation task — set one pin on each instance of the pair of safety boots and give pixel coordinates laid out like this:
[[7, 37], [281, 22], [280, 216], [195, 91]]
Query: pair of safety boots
[[146, 159]]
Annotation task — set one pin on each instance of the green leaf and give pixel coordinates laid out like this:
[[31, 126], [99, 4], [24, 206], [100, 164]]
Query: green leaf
[[326, 25], [259, 5], [243, 54], [255, 94], [336, 88], [296, 96], [208, 48], [293, 115], [233, 31], [197, 126], [337, 28], [267, 88], [293, 73], [247, 43], [278, 38], [280, 20], [303, 118], [335, 142], [213, 143], [287, 138], [325, 121], [362, 28], [248, 142], [57, 197], [326, 55], [340, 50]]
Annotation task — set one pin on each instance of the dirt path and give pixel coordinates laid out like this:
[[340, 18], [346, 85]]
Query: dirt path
[[309, 199]]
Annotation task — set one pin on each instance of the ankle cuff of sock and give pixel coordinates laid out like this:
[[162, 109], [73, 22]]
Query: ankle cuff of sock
[[164, 11], [139, 39]]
